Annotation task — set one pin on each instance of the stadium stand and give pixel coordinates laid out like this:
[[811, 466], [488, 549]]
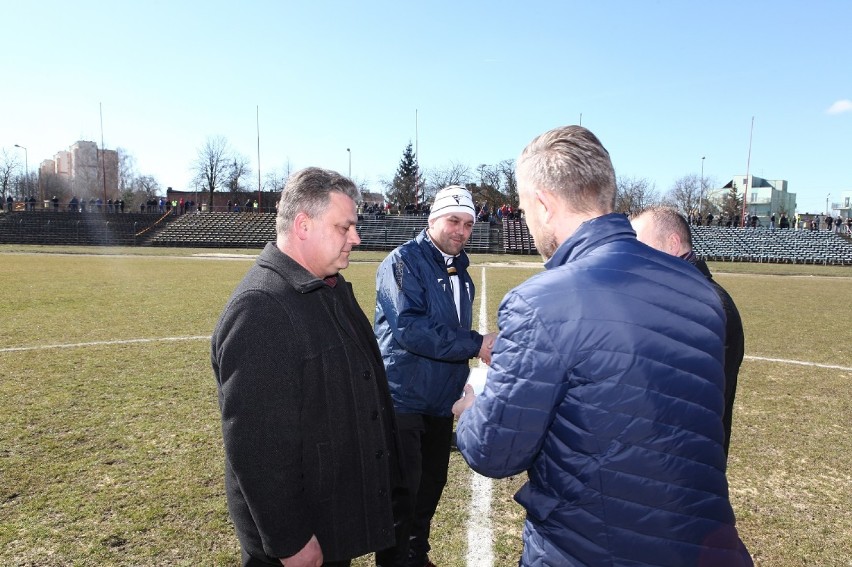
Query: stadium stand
[[737, 244], [218, 230], [92, 229], [511, 236], [254, 230], [517, 238]]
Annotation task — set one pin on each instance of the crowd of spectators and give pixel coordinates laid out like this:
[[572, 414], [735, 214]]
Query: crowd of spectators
[[804, 221]]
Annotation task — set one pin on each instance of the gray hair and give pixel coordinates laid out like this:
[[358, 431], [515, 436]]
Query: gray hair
[[307, 191], [665, 221], [573, 164]]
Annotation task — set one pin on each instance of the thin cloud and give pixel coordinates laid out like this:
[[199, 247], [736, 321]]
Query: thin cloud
[[840, 106]]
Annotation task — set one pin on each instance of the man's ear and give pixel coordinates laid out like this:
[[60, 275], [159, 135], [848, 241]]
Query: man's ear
[[546, 200], [301, 226], [673, 244]]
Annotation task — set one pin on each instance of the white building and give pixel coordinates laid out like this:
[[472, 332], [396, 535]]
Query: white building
[[83, 171], [843, 206], [765, 197]]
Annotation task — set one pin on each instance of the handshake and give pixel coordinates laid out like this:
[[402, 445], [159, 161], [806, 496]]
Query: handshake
[[486, 348], [468, 394]]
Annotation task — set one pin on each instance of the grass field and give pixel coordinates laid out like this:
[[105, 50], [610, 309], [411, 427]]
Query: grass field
[[110, 447]]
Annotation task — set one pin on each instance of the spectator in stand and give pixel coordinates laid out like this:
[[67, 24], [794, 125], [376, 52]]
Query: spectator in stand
[[784, 222], [772, 221], [828, 222], [10, 203]]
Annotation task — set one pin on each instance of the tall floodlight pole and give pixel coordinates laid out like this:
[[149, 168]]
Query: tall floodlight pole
[[701, 189], [103, 153], [257, 119], [26, 168], [827, 197], [349, 151], [748, 165], [416, 157]]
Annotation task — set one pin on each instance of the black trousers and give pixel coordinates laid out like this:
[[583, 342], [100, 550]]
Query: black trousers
[[425, 450]]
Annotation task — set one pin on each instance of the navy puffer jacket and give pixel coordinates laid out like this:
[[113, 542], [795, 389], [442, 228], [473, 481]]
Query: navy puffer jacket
[[425, 347], [606, 386]]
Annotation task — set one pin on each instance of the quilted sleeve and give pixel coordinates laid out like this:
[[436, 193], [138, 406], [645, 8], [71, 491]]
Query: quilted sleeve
[[503, 431]]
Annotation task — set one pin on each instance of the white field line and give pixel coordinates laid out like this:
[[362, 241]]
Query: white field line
[[480, 551], [799, 362], [102, 343]]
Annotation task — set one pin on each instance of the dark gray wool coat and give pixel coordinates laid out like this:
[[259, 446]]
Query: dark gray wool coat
[[307, 419]]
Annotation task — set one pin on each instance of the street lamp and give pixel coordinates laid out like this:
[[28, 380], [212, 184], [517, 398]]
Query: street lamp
[[701, 189], [350, 162], [26, 167], [826, 203]]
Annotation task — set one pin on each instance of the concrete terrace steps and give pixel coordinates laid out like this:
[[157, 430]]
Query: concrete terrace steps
[[91, 228]]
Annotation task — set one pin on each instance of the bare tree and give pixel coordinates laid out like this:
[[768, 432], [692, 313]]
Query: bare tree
[[276, 179], [489, 188], [685, 194], [8, 166], [455, 173], [510, 181], [143, 188], [239, 175], [54, 184], [634, 194], [126, 170], [212, 166]]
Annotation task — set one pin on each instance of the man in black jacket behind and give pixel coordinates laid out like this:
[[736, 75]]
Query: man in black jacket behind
[[310, 437], [665, 229]]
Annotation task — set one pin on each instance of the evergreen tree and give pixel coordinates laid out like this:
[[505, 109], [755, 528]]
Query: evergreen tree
[[405, 188], [732, 204]]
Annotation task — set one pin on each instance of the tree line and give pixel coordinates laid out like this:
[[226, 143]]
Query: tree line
[[218, 167]]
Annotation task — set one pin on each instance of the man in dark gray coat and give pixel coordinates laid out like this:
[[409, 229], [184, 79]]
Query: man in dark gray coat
[[310, 437]]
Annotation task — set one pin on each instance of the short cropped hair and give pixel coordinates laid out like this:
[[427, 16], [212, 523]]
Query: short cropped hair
[[308, 191], [667, 220], [572, 163]]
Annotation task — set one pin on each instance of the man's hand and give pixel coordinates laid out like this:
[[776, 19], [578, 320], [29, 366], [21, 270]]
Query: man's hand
[[308, 556], [487, 346], [464, 402]]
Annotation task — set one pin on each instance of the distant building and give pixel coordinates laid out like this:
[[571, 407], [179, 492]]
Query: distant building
[[84, 171], [843, 206], [764, 197]]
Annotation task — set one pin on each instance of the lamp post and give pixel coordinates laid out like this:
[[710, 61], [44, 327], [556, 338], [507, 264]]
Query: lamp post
[[826, 203], [349, 151], [26, 168], [701, 189]]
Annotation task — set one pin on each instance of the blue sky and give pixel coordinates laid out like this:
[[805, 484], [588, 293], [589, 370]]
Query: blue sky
[[662, 83]]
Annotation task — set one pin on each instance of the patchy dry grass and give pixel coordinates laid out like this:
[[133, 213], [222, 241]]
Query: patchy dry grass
[[111, 454]]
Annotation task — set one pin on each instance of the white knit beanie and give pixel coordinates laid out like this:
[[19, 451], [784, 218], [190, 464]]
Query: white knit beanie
[[452, 199]]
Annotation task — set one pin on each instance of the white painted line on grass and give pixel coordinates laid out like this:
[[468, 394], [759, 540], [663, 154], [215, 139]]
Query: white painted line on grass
[[480, 543], [799, 362], [102, 343]]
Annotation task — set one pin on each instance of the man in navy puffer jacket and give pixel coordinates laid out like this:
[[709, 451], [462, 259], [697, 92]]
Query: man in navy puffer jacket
[[606, 383]]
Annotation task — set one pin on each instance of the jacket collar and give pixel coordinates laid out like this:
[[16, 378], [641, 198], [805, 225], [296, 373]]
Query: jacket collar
[[301, 279], [423, 240], [589, 235]]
